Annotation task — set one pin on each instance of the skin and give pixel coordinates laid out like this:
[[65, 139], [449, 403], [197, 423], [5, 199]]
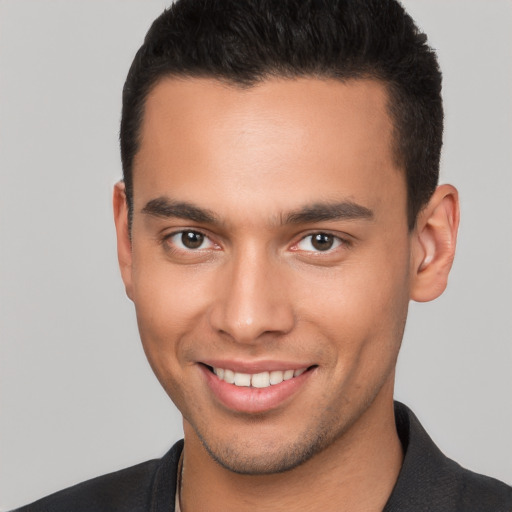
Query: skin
[[257, 290]]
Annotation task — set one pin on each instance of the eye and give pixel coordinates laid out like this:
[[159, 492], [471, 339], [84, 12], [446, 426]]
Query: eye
[[190, 240], [319, 242]]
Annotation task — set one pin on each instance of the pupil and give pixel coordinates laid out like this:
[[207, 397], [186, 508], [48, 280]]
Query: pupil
[[322, 242], [192, 240]]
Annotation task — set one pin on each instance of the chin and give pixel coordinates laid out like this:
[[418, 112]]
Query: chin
[[263, 457], [266, 462]]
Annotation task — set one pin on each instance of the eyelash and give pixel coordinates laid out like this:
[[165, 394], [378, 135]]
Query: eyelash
[[337, 241], [172, 246], [167, 240]]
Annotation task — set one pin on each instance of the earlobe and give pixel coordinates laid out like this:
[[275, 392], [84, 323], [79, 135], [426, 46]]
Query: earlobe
[[124, 246], [433, 244]]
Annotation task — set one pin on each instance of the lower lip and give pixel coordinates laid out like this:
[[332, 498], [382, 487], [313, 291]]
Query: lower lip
[[253, 400]]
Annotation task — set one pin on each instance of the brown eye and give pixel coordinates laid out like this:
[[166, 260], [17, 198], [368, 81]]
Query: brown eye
[[192, 239], [319, 242], [322, 241], [189, 242]]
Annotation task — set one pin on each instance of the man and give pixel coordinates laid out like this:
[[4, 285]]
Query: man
[[279, 210]]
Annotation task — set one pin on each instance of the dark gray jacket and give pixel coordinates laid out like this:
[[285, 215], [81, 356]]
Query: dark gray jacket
[[428, 482]]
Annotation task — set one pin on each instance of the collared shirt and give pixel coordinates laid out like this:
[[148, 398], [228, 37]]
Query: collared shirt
[[177, 500], [428, 482]]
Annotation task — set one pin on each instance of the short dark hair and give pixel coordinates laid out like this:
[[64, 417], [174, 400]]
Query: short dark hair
[[244, 42]]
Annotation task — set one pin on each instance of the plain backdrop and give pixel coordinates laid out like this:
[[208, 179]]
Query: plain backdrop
[[77, 397]]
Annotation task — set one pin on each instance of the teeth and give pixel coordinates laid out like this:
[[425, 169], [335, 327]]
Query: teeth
[[276, 377], [242, 379], [257, 380], [260, 380], [288, 374], [229, 376]]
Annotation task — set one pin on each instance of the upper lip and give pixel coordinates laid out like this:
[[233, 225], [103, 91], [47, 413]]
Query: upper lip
[[255, 366]]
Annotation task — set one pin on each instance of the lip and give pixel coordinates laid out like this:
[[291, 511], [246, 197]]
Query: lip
[[254, 400]]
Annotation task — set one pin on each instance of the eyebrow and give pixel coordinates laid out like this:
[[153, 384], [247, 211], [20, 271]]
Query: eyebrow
[[167, 208], [317, 212]]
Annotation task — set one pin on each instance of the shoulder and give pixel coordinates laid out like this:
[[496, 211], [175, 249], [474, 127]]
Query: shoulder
[[472, 491], [128, 490], [429, 481]]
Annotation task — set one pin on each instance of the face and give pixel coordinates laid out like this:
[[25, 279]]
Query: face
[[270, 261]]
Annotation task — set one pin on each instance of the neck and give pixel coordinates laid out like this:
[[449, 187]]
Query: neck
[[357, 472]]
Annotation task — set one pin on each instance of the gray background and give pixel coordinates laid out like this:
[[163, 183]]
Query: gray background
[[77, 397]]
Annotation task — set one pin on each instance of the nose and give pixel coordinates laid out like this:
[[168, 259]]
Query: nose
[[252, 299]]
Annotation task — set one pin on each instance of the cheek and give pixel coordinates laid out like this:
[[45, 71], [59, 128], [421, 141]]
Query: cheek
[[361, 307], [169, 313], [170, 304]]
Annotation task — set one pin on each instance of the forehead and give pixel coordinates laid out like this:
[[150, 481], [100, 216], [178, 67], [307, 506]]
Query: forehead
[[307, 138]]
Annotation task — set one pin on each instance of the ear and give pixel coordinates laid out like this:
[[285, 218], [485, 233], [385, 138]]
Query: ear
[[433, 244], [124, 245]]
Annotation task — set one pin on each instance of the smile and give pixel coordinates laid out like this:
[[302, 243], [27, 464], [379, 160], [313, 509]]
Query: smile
[[257, 380], [264, 389]]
